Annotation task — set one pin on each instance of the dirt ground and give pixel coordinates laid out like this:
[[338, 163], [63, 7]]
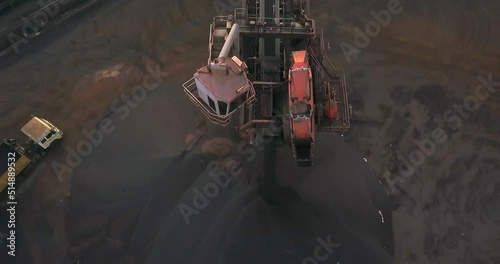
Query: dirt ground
[[118, 200]]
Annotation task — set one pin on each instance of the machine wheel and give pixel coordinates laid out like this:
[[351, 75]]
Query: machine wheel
[[36, 157]]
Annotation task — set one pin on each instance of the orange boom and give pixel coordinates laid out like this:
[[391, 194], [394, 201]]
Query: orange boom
[[301, 102]]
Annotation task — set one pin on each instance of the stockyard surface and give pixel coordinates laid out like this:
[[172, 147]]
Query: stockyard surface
[[424, 81]]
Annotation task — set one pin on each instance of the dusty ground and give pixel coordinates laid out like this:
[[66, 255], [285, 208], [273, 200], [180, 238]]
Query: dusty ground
[[405, 88], [428, 58]]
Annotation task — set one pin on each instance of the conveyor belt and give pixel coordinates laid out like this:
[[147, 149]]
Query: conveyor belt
[[13, 28]]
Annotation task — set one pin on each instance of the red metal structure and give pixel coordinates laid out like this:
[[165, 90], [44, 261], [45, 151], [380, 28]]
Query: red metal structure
[[301, 106], [267, 66]]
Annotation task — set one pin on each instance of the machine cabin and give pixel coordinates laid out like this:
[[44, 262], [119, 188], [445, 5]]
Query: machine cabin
[[223, 85]]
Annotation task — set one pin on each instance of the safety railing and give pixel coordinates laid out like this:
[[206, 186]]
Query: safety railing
[[223, 120], [273, 25], [338, 81]]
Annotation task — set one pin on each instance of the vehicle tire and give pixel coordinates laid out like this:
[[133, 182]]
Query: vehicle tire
[[36, 157]]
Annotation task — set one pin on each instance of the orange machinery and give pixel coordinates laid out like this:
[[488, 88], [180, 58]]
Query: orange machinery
[[301, 109], [267, 65]]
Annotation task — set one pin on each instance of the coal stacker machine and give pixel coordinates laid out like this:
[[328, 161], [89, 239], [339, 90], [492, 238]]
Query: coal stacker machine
[[267, 67]]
